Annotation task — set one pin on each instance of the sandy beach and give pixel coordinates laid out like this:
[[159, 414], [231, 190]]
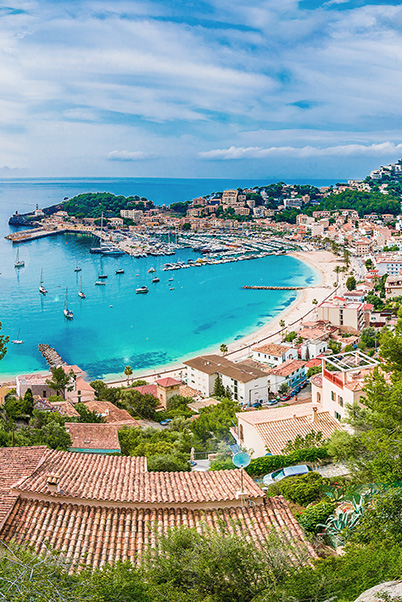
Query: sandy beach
[[302, 307]]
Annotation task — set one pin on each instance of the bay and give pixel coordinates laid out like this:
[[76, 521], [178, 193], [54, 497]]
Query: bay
[[113, 326]]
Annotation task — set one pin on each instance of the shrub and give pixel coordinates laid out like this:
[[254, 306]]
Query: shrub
[[262, 466], [225, 464], [315, 515], [302, 490]]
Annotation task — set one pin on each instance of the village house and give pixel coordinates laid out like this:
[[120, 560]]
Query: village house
[[393, 286], [93, 438], [270, 430], [67, 499], [290, 373], [388, 264], [78, 389], [110, 413]]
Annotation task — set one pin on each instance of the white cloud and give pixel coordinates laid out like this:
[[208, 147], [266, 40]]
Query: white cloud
[[124, 155], [258, 152]]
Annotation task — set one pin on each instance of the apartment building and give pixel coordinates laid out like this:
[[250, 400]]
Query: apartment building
[[274, 354], [229, 197], [348, 316]]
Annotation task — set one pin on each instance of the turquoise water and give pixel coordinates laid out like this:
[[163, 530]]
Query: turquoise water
[[113, 326]]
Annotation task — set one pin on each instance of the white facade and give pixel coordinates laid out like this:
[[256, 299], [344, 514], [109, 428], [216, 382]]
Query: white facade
[[269, 355], [311, 349], [202, 381], [247, 392]]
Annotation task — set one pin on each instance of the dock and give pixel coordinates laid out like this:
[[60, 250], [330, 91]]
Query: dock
[[53, 359], [35, 233], [275, 288]]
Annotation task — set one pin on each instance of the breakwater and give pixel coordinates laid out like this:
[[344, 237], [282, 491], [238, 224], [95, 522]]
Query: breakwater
[[275, 288], [53, 359]]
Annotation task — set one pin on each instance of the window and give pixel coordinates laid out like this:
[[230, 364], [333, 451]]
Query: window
[[44, 394], [338, 416], [241, 433], [340, 401], [333, 396], [318, 397]]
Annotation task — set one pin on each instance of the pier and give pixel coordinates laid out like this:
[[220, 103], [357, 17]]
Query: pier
[[34, 233], [275, 288], [53, 359]]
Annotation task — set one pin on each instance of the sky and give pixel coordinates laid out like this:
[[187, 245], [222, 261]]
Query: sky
[[199, 88]]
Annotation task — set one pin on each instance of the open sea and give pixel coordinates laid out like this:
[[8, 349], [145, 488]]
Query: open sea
[[113, 327]]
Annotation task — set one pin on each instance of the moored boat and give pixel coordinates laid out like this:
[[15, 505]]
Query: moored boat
[[142, 290], [67, 312]]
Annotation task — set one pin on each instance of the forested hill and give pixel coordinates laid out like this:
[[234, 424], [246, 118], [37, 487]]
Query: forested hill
[[92, 204], [362, 202]]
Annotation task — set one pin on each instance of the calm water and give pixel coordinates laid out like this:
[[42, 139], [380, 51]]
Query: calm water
[[113, 326]]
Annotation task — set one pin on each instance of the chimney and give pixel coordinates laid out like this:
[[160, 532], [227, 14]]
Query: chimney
[[53, 483], [314, 417]]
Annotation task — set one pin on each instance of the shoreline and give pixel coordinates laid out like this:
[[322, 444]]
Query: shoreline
[[301, 307]]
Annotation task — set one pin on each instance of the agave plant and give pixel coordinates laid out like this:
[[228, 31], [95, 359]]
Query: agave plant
[[344, 520]]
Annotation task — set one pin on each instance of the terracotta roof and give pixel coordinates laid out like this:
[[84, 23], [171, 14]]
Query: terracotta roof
[[93, 436], [276, 434], [315, 361], [287, 368], [95, 536], [16, 463], [316, 380], [124, 479], [147, 389], [272, 349], [111, 413], [281, 413], [65, 408], [168, 382]]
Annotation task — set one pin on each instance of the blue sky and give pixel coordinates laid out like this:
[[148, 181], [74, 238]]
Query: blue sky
[[212, 88]]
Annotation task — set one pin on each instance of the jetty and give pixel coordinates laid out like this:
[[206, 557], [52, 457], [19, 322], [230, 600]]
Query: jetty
[[53, 359], [275, 288]]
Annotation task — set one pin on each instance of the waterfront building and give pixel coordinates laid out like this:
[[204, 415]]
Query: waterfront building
[[274, 354], [64, 499], [270, 430], [247, 383], [350, 317], [162, 389], [77, 391], [343, 385]]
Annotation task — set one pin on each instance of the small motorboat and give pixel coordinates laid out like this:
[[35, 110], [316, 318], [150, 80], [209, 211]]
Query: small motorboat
[[100, 283], [155, 280], [120, 271], [151, 270], [141, 290]]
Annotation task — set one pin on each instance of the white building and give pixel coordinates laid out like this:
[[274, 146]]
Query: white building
[[247, 383], [290, 373], [274, 354], [390, 266]]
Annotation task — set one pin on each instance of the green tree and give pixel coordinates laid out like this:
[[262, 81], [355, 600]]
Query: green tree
[[351, 283], [219, 389], [3, 344], [223, 348], [86, 415], [128, 372], [312, 439], [186, 227], [140, 405], [27, 405], [313, 370], [60, 381]]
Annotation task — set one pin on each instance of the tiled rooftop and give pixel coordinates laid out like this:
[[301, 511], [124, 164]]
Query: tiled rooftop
[[272, 349], [111, 413], [125, 479], [276, 434], [287, 368], [95, 536], [93, 436], [16, 463], [168, 382]]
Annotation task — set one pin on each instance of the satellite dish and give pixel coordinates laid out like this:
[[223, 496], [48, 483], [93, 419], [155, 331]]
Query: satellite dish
[[241, 460]]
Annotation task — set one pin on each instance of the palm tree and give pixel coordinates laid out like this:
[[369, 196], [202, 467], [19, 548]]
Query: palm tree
[[337, 270], [314, 302], [223, 348], [128, 372]]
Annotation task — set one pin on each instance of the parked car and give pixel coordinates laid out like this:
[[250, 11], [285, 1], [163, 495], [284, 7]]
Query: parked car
[[165, 422], [273, 402], [257, 404], [285, 397], [284, 473]]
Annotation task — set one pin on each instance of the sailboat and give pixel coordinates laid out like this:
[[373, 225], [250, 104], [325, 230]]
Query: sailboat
[[41, 287], [101, 275], [77, 267], [67, 312], [120, 269], [18, 262], [18, 341], [80, 293]]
